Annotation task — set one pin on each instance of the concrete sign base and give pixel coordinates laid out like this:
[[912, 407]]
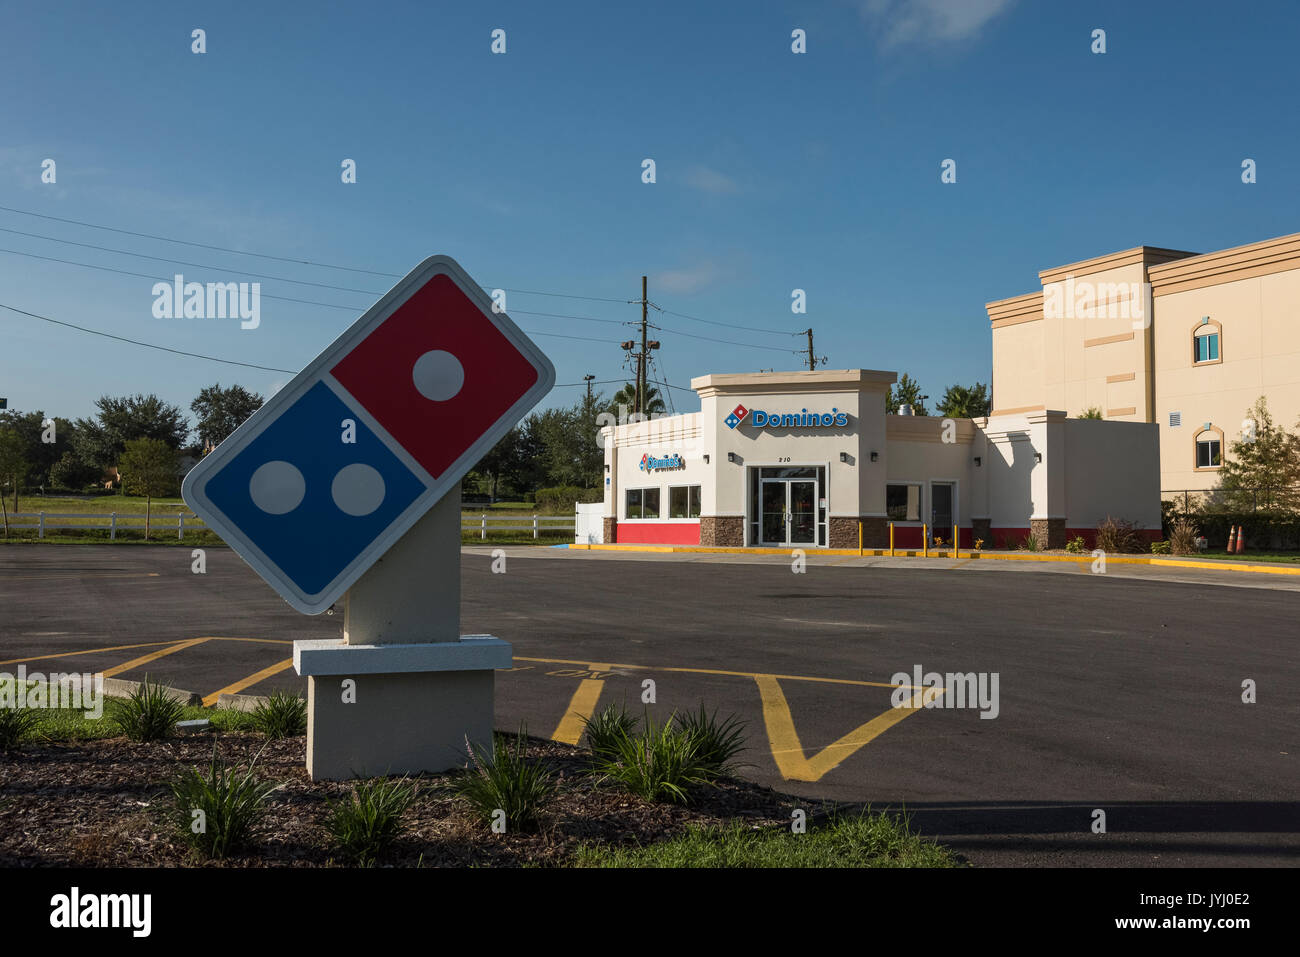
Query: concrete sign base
[[403, 690]]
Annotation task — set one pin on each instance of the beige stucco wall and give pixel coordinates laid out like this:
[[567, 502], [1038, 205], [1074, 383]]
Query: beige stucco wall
[[1137, 366], [660, 438], [918, 454], [1259, 345]]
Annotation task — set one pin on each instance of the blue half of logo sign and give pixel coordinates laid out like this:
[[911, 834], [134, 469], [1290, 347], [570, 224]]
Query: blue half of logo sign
[[309, 501]]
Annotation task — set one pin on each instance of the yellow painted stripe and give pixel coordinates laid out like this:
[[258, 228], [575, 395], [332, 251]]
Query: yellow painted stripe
[[582, 705], [713, 671], [251, 680], [46, 578], [152, 656], [787, 751], [88, 651]]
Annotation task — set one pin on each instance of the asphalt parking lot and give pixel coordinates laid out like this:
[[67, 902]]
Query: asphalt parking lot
[[1119, 692]]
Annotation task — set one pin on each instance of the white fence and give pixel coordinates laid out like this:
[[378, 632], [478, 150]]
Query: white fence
[[516, 523], [112, 521]]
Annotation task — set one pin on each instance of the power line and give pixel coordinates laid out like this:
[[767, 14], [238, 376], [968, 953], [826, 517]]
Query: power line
[[729, 342], [140, 275], [147, 345], [186, 242], [283, 259], [729, 325], [181, 262], [323, 265]]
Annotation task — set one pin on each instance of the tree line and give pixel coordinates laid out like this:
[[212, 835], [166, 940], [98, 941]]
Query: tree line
[[138, 441]]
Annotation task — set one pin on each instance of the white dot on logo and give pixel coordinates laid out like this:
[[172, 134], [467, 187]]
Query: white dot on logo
[[277, 487], [438, 375], [358, 489]]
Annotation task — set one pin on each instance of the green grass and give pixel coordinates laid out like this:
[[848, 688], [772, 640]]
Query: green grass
[[846, 840], [605, 727], [217, 812], [1247, 556], [505, 786], [71, 725], [147, 714], [282, 716], [716, 742], [365, 823], [661, 762]]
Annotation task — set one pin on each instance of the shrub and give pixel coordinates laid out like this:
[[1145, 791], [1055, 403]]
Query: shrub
[[1076, 545], [1182, 537], [283, 716], [508, 782], [364, 825], [562, 498], [148, 714], [1031, 543], [1118, 536], [1159, 548], [659, 764], [716, 744], [231, 805], [16, 724], [606, 726], [979, 544]]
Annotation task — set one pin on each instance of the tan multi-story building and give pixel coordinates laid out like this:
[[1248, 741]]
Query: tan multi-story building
[[1186, 341]]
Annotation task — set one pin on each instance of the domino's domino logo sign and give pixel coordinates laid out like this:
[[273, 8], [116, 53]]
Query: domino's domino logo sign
[[334, 469]]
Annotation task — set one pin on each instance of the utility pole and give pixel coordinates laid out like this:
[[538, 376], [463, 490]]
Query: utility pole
[[643, 357], [641, 365], [588, 377], [812, 358]]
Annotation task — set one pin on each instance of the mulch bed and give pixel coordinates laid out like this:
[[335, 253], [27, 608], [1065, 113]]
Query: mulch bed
[[104, 804]]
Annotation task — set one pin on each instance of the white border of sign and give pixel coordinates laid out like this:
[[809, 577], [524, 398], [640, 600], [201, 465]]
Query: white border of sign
[[194, 489]]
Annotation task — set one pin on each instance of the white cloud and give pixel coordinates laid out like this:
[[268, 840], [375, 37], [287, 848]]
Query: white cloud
[[689, 280], [930, 21], [710, 180]]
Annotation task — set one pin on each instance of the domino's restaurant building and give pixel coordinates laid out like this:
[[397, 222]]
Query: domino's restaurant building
[[803, 459]]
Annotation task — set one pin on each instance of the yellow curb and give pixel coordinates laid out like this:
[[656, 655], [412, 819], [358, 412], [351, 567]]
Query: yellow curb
[[1084, 559]]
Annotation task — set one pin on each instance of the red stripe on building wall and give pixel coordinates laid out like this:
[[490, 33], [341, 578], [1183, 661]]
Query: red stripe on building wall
[[658, 533]]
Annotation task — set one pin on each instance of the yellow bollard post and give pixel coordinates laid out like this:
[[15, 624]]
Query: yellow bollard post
[[859, 538], [925, 540], [891, 539], [956, 541]]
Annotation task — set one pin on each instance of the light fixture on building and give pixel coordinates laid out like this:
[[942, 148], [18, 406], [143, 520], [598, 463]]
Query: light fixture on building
[[874, 456], [1038, 456], [731, 456], [606, 466], [706, 458], [844, 456], [978, 463]]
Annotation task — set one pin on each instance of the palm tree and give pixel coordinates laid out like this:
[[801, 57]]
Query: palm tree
[[654, 403]]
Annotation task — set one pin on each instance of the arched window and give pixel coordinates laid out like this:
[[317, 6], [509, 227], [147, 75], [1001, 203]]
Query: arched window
[[1209, 448], [1207, 342]]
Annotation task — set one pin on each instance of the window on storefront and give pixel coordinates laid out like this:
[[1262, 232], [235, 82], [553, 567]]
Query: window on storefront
[[683, 501], [642, 503], [903, 503]]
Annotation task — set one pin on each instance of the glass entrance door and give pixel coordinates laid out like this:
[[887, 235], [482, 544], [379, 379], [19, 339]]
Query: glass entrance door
[[772, 515], [802, 496], [788, 511]]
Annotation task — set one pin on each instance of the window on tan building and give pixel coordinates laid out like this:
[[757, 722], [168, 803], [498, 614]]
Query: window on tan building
[[1209, 448], [1206, 345]]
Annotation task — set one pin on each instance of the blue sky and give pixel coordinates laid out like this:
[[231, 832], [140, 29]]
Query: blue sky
[[775, 171]]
